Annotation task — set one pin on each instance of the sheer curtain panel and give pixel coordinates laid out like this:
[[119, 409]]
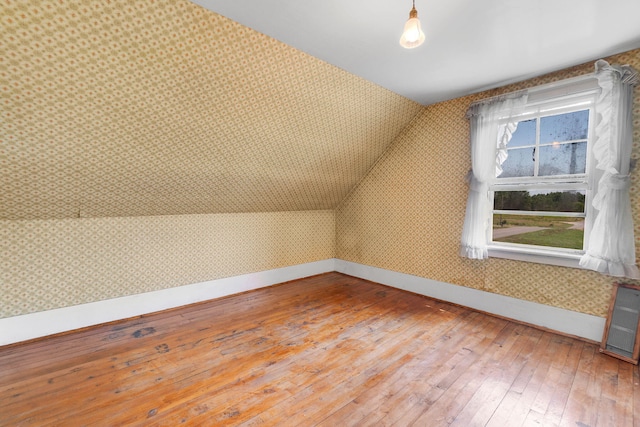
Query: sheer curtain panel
[[611, 245], [489, 137]]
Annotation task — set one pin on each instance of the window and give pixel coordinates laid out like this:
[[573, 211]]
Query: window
[[541, 189], [549, 179]]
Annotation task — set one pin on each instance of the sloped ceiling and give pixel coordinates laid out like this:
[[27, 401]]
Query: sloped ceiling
[[125, 108]]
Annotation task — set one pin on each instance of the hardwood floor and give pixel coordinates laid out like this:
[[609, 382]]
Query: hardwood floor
[[329, 350]]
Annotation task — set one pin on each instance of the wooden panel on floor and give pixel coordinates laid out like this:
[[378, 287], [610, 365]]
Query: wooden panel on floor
[[326, 350]]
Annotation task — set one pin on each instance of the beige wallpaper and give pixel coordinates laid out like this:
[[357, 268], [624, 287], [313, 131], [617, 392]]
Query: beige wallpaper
[[146, 145], [153, 144], [132, 108], [407, 214], [46, 264]]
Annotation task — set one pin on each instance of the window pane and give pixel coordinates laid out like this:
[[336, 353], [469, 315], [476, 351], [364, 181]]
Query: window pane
[[534, 200], [564, 127], [563, 159], [550, 231], [519, 163], [525, 134]]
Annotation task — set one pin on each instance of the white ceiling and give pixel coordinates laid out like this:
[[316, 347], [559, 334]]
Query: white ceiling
[[471, 45]]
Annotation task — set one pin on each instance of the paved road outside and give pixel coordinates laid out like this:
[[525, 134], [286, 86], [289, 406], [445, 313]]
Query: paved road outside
[[499, 233], [578, 225]]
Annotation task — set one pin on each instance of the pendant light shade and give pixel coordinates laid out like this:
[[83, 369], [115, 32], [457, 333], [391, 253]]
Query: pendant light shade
[[412, 36]]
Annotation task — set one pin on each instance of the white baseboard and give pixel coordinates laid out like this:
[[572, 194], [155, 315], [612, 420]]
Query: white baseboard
[[34, 325], [557, 319], [25, 327]]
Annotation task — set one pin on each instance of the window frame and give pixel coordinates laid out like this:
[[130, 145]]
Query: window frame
[[548, 102]]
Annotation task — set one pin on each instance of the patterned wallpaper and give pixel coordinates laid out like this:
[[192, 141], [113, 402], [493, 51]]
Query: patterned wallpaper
[[46, 264], [407, 214], [123, 108], [153, 144], [147, 145]]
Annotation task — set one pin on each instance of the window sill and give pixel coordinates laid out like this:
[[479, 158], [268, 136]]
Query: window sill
[[539, 256]]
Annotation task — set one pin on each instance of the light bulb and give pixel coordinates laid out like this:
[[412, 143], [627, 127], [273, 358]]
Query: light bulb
[[412, 35]]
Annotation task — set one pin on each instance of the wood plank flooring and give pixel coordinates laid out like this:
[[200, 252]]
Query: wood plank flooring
[[329, 350]]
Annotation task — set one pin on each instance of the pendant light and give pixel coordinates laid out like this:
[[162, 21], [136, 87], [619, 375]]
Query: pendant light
[[412, 35]]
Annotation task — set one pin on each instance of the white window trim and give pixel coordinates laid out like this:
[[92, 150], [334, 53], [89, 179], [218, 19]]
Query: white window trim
[[550, 256], [552, 98]]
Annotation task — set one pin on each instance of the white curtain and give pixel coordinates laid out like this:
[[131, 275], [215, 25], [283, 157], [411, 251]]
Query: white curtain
[[489, 138], [611, 246]]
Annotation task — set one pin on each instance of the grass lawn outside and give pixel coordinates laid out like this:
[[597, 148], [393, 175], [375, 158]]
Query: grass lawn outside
[[559, 238], [557, 233]]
